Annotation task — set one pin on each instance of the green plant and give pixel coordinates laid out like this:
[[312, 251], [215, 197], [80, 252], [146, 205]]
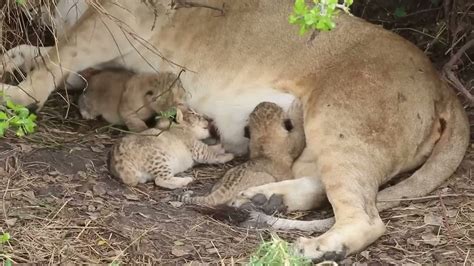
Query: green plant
[[319, 16], [276, 251], [16, 117], [4, 238], [170, 114]]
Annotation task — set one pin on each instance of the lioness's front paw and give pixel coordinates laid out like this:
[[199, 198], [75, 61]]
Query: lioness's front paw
[[22, 96], [326, 247]]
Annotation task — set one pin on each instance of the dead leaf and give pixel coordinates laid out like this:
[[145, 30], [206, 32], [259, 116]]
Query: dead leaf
[[452, 213], [178, 243], [413, 242], [99, 189], [130, 196], [176, 204], [96, 149], [180, 251], [54, 173], [430, 239], [11, 222], [365, 254], [431, 219], [29, 194]]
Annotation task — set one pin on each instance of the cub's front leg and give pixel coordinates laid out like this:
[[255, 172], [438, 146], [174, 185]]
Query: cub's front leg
[[214, 154]]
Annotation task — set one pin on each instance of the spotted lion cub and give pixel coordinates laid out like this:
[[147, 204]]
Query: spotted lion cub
[[276, 140], [123, 97], [158, 155]]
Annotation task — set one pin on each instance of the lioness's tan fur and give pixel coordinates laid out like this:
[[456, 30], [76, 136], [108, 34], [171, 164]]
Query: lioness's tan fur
[[374, 105]]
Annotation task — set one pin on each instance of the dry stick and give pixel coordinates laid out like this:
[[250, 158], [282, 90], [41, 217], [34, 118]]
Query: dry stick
[[448, 227], [154, 98], [429, 197], [133, 242], [177, 4], [449, 75]]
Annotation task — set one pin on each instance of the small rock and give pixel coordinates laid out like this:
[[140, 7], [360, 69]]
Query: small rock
[[96, 149], [178, 243], [430, 239], [181, 251], [54, 173], [131, 196], [25, 148], [11, 222], [91, 208], [431, 219], [413, 242], [212, 250], [99, 189], [365, 254]]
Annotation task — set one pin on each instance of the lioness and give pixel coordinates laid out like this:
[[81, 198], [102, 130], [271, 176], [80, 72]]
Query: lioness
[[374, 105]]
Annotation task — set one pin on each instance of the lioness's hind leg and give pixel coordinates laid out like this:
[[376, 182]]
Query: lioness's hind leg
[[304, 193], [358, 224]]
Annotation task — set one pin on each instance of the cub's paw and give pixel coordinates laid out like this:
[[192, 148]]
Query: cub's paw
[[224, 158], [327, 247], [174, 183]]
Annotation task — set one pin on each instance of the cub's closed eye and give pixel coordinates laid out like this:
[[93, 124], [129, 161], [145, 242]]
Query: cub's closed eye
[[288, 124], [247, 132]]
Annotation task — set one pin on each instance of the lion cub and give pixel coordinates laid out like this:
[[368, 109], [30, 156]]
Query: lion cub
[[276, 140], [123, 97], [158, 154]]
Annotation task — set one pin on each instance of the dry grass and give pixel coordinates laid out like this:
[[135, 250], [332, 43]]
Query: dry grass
[[60, 205]]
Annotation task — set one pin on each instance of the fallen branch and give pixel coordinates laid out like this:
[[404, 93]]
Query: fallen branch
[[448, 72]]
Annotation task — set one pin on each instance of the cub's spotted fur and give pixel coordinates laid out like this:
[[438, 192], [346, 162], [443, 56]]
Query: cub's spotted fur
[[276, 140], [122, 97], [158, 154]]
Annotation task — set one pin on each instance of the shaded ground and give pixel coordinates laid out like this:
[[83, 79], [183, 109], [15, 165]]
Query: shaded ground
[[60, 205]]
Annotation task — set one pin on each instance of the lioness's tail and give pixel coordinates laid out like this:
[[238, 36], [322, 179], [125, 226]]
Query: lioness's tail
[[446, 156]]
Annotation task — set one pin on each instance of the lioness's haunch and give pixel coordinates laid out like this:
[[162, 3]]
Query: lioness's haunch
[[374, 105], [276, 140]]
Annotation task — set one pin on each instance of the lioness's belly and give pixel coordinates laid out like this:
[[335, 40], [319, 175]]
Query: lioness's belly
[[230, 108]]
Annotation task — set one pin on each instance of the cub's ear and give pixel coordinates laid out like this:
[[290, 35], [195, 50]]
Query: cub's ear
[[179, 116], [288, 124], [247, 132]]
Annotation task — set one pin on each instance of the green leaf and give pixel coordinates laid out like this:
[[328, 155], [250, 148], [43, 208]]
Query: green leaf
[[300, 7], [400, 12], [8, 262], [3, 116]]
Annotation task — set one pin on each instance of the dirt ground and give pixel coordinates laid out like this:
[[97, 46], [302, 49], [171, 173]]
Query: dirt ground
[[60, 205]]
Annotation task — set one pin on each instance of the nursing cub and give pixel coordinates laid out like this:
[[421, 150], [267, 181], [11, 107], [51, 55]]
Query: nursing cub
[[123, 97], [158, 155], [276, 140]]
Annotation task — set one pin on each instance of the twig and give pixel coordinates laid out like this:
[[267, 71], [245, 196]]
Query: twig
[[133, 242], [429, 197], [448, 227], [177, 4], [448, 72]]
